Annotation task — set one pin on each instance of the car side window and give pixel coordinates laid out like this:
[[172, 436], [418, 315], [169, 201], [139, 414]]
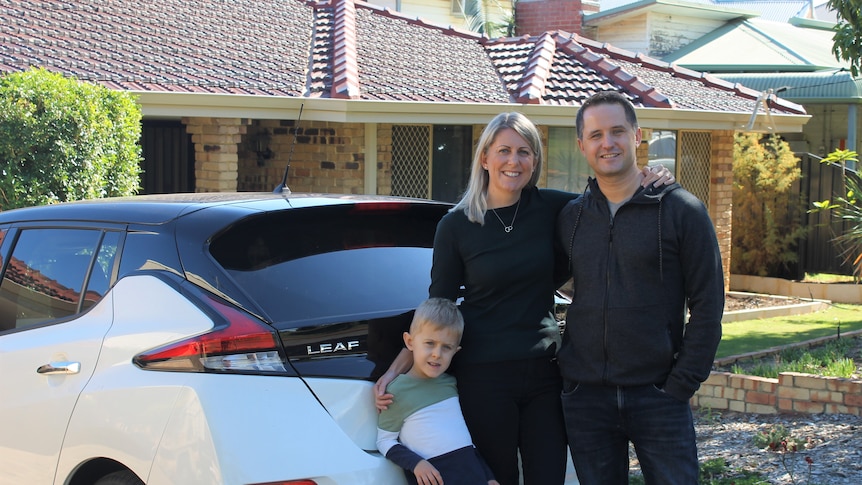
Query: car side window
[[100, 276], [47, 272]]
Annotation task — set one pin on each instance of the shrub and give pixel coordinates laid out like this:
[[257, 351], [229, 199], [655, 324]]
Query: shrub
[[766, 212], [61, 140]]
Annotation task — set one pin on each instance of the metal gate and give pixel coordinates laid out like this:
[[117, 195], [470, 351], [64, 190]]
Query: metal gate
[[169, 158]]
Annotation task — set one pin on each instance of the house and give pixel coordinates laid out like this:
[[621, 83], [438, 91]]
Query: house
[[779, 47], [787, 48], [349, 97]]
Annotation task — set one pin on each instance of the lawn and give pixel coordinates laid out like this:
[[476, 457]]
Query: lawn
[[753, 335]]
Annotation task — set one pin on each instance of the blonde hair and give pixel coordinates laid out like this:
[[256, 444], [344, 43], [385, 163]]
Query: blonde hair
[[474, 202], [440, 313]]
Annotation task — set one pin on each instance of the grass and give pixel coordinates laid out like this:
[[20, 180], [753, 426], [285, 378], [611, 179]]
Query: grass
[[826, 360], [828, 278], [753, 335]]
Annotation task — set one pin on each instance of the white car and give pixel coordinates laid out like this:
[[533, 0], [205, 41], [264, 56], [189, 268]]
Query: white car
[[204, 338]]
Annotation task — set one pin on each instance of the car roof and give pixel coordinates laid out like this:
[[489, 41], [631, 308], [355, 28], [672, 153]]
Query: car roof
[[160, 208]]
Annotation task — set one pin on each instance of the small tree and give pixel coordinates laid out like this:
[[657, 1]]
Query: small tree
[[847, 41], [848, 209], [61, 140], [766, 212]]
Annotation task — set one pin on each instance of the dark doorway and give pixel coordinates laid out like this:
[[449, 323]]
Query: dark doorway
[[451, 160], [169, 158]]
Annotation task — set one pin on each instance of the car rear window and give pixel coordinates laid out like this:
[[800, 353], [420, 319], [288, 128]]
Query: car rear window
[[308, 267]]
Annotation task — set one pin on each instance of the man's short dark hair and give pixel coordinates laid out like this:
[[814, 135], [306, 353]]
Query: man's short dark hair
[[606, 97]]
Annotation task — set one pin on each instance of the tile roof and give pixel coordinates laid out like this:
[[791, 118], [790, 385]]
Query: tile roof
[[343, 49]]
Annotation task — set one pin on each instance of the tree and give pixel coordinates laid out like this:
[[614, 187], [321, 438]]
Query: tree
[[61, 140], [766, 211], [847, 41], [489, 17]]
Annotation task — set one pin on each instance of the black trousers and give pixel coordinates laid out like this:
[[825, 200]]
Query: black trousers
[[460, 467], [514, 407]]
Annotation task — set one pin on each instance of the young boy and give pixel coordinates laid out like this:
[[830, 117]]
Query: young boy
[[423, 431]]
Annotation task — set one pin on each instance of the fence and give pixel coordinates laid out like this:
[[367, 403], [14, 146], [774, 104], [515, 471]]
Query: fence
[[818, 253]]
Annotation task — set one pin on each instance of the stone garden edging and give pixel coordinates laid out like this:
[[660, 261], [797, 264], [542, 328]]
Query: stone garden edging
[[835, 292]]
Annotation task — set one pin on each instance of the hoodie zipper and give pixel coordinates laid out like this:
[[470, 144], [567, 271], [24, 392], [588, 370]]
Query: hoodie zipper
[[607, 296]]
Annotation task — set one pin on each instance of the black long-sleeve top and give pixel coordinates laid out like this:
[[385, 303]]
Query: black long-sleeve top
[[509, 278]]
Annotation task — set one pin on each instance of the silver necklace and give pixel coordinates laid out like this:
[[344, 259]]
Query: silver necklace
[[512, 225]]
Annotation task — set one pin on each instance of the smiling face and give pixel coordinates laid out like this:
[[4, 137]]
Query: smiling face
[[510, 162], [609, 141], [433, 348]]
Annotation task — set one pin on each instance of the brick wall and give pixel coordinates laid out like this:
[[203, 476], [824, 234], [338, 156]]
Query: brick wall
[[216, 157], [327, 157], [384, 159], [534, 17], [721, 194], [792, 392]]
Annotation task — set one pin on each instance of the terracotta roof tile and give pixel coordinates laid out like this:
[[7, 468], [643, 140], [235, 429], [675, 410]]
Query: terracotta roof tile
[[394, 62], [338, 48]]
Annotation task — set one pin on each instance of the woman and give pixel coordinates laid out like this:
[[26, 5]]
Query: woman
[[498, 243]]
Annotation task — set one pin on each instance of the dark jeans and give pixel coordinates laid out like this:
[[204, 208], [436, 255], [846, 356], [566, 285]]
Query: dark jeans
[[601, 420], [514, 406]]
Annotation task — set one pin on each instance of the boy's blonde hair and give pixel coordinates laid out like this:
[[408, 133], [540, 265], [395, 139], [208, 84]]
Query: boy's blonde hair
[[441, 313]]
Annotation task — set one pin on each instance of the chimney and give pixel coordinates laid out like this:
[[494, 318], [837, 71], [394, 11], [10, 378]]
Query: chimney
[[533, 17]]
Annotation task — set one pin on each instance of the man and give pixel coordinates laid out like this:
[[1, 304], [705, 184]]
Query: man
[[641, 259]]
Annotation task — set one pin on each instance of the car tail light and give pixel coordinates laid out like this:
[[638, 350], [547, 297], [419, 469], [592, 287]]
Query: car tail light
[[241, 343], [381, 207], [288, 482]]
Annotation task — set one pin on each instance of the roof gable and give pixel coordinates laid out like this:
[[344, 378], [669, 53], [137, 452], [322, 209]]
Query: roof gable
[[768, 46]]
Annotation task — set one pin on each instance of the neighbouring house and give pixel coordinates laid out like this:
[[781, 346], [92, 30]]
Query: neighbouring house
[[389, 104], [783, 47], [780, 47]]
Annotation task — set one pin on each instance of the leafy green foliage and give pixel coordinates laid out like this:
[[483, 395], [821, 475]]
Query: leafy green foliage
[[61, 140], [766, 212], [848, 209], [847, 41]]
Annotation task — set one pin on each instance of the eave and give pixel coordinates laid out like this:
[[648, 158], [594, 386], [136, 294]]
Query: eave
[[176, 105]]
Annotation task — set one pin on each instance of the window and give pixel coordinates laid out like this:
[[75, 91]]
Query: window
[[457, 8], [49, 275], [431, 162], [567, 168], [662, 149]]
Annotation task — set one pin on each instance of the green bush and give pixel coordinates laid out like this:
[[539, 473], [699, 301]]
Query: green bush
[[766, 212], [61, 140]]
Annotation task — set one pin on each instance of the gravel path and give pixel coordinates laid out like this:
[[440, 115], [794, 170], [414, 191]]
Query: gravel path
[[834, 446]]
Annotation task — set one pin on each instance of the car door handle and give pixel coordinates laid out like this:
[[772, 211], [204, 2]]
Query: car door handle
[[60, 368]]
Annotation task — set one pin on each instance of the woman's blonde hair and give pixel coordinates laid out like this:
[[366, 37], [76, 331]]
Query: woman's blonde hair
[[474, 202]]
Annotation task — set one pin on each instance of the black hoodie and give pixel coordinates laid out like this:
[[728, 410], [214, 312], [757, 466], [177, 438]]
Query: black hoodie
[[635, 275]]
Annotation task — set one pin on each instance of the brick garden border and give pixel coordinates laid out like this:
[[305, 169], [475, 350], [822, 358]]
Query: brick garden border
[[792, 392]]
